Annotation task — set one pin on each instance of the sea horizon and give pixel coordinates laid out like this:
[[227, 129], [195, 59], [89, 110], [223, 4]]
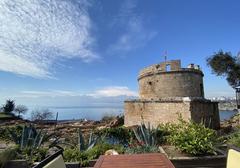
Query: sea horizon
[[96, 112]]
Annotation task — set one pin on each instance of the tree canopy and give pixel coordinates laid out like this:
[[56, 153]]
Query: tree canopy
[[224, 64], [9, 106]]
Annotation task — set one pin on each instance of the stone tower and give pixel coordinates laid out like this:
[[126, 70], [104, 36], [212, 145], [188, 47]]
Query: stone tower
[[167, 90]]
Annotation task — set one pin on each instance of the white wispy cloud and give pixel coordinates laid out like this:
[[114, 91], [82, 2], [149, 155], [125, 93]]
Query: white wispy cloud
[[35, 35], [112, 91], [135, 33], [49, 93]]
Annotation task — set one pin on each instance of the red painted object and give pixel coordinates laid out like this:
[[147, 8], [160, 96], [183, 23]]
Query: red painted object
[[153, 160]]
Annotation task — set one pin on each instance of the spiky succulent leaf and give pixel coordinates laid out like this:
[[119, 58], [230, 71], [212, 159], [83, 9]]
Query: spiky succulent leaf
[[81, 142], [23, 138], [137, 135], [145, 135]]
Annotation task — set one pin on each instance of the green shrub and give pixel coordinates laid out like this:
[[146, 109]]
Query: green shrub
[[29, 142], [142, 149], [191, 137], [235, 138], [5, 132], [7, 154], [74, 155], [161, 136], [27, 154], [108, 118], [33, 156], [118, 135]]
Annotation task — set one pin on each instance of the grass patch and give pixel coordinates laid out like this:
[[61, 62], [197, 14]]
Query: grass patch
[[4, 116]]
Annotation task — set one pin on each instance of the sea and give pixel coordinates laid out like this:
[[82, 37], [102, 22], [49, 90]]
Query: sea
[[98, 112]]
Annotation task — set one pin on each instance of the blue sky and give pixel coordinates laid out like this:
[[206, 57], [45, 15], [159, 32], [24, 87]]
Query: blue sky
[[62, 52]]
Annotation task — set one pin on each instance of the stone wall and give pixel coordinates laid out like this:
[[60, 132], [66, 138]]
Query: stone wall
[[155, 112], [171, 84], [206, 112], [161, 111], [175, 65], [166, 93]]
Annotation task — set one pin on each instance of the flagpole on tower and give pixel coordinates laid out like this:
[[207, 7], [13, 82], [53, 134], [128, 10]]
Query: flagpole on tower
[[165, 56]]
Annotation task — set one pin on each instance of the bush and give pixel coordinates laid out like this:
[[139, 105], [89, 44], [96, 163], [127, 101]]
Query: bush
[[161, 136], [6, 155], [235, 138], [74, 155], [142, 149], [29, 142], [33, 156], [107, 118], [5, 132], [191, 137], [118, 135]]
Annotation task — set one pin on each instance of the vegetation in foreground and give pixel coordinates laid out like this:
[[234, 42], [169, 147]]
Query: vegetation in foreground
[[88, 144], [33, 143], [192, 138]]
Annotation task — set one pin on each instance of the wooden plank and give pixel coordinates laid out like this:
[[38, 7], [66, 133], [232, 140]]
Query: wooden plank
[[155, 160]]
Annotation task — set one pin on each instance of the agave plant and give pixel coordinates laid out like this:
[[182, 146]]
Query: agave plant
[[29, 138], [145, 135], [81, 142]]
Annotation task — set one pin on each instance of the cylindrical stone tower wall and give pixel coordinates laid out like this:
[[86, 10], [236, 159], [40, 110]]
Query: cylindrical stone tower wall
[[155, 82]]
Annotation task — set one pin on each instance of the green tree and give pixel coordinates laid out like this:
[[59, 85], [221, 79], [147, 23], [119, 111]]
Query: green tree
[[225, 64], [9, 106]]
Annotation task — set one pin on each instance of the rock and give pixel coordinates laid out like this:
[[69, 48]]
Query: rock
[[102, 127], [111, 152], [52, 150]]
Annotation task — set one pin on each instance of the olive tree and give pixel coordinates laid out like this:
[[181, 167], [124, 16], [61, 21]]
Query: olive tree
[[226, 65]]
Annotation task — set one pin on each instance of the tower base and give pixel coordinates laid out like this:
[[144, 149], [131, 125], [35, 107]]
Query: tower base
[[168, 110]]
